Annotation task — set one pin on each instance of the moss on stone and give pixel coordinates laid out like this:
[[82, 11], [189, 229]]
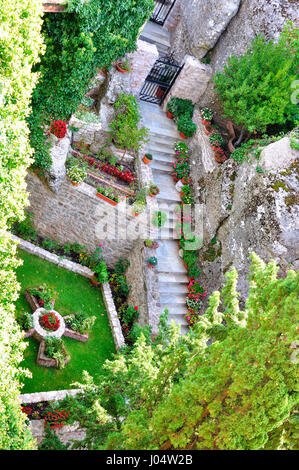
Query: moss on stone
[[291, 200], [280, 184]]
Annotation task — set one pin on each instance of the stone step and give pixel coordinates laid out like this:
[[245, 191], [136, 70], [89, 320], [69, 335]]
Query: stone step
[[170, 267], [160, 147], [154, 37], [156, 29], [176, 309], [161, 165], [168, 198], [172, 299], [173, 278], [175, 287], [163, 133], [165, 157]]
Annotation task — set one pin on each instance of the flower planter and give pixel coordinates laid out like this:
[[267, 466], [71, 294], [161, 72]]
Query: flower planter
[[107, 199], [150, 265], [146, 160], [205, 123], [74, 184], [135, 213], [169, 115], [182, 194], [208, 130], [120, 69], [214, 148], [186, 181], [182, 135], [152, 195], [94, 281], [220, 158]]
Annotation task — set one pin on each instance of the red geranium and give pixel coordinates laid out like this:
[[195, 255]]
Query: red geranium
[[50, 321], [58, 128]]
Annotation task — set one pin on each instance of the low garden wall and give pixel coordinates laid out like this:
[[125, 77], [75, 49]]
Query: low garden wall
[[114, 322], [77, 268]]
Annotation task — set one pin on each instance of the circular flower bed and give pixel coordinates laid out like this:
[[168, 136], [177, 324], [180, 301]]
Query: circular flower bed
[[49, 321]]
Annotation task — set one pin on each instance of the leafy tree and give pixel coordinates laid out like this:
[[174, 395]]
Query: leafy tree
[[229, 384], [255, 88], [20, 43]]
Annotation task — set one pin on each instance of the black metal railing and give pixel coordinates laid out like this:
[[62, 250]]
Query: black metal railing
[[162, 10], [160, 80]]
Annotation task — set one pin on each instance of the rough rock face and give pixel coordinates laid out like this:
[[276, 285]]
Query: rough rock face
[[227, 28], [201, 24], [246, 211]]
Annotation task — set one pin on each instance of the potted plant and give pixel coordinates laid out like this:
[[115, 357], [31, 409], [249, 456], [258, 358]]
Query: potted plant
[[108, 195], [152, 262], [186, 127], [153, 190], [100, 273], [151, 244], [208, 129], [138, 207], [206, 116], [124, 66], [185, 190], [220, 156], [147, 158], [216, 140], [76, 174], [171, 108]]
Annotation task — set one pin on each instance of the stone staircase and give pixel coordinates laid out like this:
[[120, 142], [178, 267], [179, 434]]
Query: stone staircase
[[172, 274], [155, 34]]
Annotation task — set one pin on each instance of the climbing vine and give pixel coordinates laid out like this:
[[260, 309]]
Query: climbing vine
[[88, 36]]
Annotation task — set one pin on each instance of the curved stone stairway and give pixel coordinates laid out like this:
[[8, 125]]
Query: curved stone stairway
[[172, 274]]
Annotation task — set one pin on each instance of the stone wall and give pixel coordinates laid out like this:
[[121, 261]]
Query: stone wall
[[191, 82], [142, 60], [76, 214], [246, 211]]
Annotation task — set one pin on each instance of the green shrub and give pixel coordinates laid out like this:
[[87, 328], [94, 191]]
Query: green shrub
[[26, 321], [186, 126], [138, 330], [124, 128], [87, 116], [216, 139], [25, 228], [55, 349], [82, 322], [101, 272], [255, 88], [180, 107]]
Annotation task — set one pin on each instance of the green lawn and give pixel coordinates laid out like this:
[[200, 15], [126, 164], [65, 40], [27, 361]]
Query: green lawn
[[75, 294]]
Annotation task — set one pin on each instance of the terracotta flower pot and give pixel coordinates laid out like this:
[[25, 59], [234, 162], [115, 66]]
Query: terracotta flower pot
[[182, 135], [182, 194], [74, 184], [121, 70], [214, 148], [205, 123], [94, 281], [150, 265], [135, 213], [208, 130], [107, 199], [186, 180], [175, 179], [146, 160], [169, 115]]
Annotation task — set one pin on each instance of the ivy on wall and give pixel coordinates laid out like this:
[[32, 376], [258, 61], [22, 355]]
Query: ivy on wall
[[86, 37], [20, 44]]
